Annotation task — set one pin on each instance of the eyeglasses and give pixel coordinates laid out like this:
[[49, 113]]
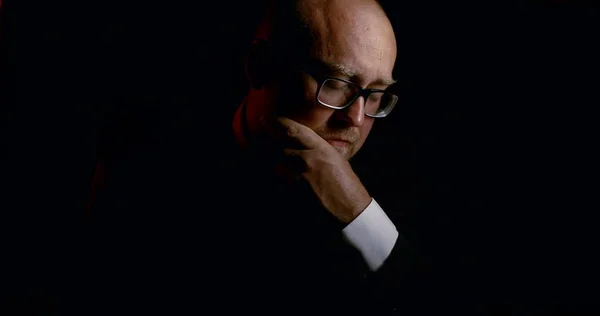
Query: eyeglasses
[[338, 94]]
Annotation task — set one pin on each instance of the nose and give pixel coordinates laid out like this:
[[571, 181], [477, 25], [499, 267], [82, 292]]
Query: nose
[[354, 114]]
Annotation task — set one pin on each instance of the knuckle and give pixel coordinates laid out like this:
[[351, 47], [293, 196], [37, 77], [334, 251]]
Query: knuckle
[[292, 131]]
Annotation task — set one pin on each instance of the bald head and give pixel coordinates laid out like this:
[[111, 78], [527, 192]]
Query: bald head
[[349, 27], [350, 40], [296, 25]]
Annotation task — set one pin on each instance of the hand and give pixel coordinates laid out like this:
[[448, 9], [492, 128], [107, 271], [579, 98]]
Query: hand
[[309, 157]]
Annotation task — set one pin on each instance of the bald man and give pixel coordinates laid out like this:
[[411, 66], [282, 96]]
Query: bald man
[[274, 221], [319, 73]]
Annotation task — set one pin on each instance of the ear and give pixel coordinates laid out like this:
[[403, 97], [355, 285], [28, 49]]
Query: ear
[[258, 67]]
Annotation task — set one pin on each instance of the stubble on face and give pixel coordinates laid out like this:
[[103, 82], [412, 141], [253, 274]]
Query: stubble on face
[[346, 149]]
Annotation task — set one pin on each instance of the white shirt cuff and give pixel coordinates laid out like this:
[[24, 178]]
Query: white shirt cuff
[[373, 234]]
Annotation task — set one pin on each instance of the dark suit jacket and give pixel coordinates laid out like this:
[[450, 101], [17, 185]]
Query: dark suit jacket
[[190, 229]]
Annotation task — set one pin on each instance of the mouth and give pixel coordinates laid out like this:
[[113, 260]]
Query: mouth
[[338, 142]]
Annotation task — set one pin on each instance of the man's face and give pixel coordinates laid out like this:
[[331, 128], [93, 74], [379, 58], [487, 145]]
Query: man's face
[[354, 42]]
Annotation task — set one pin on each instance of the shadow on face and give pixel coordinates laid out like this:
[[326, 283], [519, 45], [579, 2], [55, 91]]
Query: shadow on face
[[352, 40]]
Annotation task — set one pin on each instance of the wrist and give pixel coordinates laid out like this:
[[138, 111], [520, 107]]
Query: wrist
[[361, 203]]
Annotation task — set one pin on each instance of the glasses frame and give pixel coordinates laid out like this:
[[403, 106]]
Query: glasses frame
[[362, 92], [306, 67]]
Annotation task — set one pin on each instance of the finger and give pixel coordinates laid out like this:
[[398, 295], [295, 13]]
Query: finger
[[292, 152], [270, 138], [294, 160], [272, 133], [299, 132], [289, 171]]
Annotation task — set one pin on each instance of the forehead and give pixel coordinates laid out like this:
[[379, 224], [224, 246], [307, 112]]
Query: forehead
[[357, 36]]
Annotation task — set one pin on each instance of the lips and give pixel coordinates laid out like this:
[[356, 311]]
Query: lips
[[338, 141], [339, 138]]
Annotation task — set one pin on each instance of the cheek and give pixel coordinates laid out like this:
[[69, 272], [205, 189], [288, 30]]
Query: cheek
[[296, 98], [365, 129], [309, 89], [307, 110], [315, 117]]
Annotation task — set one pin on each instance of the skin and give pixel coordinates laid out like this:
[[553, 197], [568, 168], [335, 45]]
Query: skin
[[353, 40]]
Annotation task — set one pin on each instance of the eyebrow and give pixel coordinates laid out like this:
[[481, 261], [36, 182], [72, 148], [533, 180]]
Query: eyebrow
[[346, 71]]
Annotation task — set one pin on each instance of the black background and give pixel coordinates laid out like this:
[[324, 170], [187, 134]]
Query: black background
[[486, 164]]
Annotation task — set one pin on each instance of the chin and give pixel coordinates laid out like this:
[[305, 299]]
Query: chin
[[344, 151]]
